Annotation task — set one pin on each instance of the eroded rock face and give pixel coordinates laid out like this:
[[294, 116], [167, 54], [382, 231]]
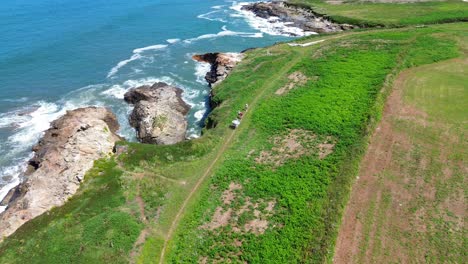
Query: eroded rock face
[[221, 65], [278, 11], [159, 113], [62, 157]]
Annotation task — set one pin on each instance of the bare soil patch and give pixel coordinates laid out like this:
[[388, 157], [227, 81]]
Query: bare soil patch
[[226, 221], [229, 214], [295, 79], [296, 144]]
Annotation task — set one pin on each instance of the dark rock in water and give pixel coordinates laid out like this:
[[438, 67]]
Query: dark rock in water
[[221, 65], [159, 113], [62, 157], [13, 194], [305, 19]]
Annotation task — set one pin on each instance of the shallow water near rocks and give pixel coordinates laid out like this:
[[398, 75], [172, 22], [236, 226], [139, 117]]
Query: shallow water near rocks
[[61, 55]]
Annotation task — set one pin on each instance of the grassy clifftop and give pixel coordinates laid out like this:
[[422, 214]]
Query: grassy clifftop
[[368, 14], [271, 191]]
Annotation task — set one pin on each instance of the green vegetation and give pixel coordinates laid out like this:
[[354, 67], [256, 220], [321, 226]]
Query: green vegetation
[[425, 176], [369, 14], [279, 212], [91, 227], [309, 192], [159, 121]]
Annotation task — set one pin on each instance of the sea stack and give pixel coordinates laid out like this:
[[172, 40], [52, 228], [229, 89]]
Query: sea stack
[[62, 157], [159, 116]]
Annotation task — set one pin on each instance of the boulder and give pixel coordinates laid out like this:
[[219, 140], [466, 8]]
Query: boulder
[[159, 113], [62, 157]]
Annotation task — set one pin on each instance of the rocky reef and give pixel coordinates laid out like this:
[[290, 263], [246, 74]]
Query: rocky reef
[[291, 16], [159, 113], [62, 157], [221, 65]]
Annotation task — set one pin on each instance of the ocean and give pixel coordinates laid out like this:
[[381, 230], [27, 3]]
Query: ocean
[[58, 55]]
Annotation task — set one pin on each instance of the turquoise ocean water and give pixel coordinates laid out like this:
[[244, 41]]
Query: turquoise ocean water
[[58, 55]]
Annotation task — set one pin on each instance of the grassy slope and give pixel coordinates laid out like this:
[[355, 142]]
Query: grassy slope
[[440, 91], [372, 14], [102, 222], [309, 192], [416, 209]]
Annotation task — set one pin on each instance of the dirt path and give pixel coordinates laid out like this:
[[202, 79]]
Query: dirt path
[[195, 188], [225, 145], [367, 187], [144, 233], [228, 141]]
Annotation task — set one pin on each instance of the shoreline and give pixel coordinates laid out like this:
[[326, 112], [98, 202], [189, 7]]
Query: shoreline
[[118, 92]]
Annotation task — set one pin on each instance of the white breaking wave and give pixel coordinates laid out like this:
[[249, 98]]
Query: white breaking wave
[[201, 68], [19, 100], [207, 16], [271, 26], [5, 189], [136, 56], [172, 41], [223, 33], [153, 47], [199, 114], [118, 90], [119, 65]]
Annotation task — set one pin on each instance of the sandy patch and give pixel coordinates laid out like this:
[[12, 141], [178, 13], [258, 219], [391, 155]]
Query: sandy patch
[[295, 79], [295, 145], [229, 195], [220, 218], [223, 217]]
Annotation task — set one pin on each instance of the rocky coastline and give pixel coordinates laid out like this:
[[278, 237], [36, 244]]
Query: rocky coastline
[[221, 65], [62, 157], [295, 17], [74, 141], [159, 113]]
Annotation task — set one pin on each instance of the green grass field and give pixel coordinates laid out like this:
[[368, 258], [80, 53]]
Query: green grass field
[[412, 208], [341, 100], [440, 91], [274, 189], [389, 14]]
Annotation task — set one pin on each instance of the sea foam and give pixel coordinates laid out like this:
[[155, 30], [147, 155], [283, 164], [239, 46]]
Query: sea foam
[[201, 69], [137, 54], [172, 41], [118, 90], [225, 32], [270, 26]]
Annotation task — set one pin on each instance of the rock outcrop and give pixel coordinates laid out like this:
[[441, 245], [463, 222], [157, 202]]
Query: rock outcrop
[[290, 16], [62, 157], [159, 113], [221, 65]]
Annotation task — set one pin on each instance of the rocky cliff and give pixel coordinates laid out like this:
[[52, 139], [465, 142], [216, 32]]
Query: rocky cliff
[[62, 157], [278, 11], [159, 113], [221, 65]]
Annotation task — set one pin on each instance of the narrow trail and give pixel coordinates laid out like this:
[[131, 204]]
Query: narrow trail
[[228, 141], [221, 151], [189, 196], [144, 233]]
